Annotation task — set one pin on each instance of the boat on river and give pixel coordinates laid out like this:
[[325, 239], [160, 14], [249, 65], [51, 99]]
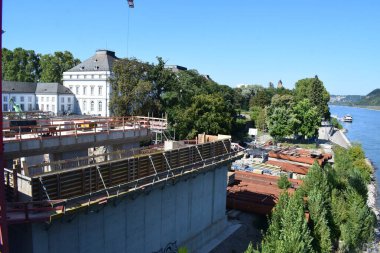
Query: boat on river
[[347, 118]]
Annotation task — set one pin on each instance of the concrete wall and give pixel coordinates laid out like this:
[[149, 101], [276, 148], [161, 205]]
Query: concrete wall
[[191, 212]]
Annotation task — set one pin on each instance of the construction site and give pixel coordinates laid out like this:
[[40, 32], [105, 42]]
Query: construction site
[[84, 184], [88, 184]]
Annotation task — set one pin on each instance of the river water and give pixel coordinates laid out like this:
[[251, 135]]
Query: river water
[[364, 129]]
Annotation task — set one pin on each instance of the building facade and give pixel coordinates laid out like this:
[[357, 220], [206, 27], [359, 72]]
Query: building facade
[[89, 82], [46, 97]]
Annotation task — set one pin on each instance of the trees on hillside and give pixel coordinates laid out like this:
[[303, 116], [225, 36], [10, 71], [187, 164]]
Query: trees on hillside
[[27, 66]]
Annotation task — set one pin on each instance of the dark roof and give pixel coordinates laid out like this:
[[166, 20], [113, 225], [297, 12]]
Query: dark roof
[[102, 61], [52, 88], [18, 87], [37, 88]]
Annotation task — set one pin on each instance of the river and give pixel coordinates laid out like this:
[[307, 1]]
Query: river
[[364, 129]]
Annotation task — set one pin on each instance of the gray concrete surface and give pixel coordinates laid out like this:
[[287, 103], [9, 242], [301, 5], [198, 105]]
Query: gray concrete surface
[[190, 212]]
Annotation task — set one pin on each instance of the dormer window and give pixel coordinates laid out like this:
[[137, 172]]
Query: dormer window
[[96, 67], [82, 68]]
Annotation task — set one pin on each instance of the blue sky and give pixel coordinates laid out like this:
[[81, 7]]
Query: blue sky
[[246, 41]]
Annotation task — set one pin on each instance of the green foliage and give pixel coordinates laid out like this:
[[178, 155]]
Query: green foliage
[[283, 182], [194, 104], [53, 65], [259, 117], [279, 123], [27, 66], [288, 231], [314, 90], [356, 152], [208, 114], [372, 99], [261, 99], [339, 215], [307, 119], [336, 123], [182, 250], [20, 65]]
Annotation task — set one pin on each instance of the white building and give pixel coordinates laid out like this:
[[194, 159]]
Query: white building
[[89, 82], [46, 97]]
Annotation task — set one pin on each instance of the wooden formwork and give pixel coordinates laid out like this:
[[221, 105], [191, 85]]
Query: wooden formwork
[[89, 179]]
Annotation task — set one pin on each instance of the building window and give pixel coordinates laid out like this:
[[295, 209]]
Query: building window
[[14, 99], [22, 107], [5, 107], [100, 90], [84, 90], [30, 99], [84, 105], [100, 105], [30, 107], [69, 107], [68, 100], [22, 99], [53, 99], [5, 99], [92, 90], [42, 108], [62, 99], [77, 90], [92, 106], [62, 108], [53, 108], [47, 99], [47, 107], [71, 87], [42, 99]]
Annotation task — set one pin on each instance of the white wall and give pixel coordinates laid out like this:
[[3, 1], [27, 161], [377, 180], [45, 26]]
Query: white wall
[[22, 99], [81, 83], [47, 102]]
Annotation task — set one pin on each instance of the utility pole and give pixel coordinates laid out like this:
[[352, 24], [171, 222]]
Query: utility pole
[[4, 247]]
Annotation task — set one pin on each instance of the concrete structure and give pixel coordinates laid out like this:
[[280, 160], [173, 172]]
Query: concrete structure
[[46, 97], [136, 204], [189, 212], [89, 81]]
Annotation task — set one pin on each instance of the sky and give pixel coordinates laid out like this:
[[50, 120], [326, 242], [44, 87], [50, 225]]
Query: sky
[[235, 42]]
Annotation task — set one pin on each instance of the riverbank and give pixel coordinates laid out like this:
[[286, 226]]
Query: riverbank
[[371, 202]]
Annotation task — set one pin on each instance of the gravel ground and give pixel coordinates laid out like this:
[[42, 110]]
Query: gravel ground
[[250, 231]]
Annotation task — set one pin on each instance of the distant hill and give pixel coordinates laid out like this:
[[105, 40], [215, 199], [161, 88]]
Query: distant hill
[[345, 99], [372, 99]]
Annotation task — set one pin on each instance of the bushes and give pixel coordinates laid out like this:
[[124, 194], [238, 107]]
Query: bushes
[[283, 182], [339, 216]]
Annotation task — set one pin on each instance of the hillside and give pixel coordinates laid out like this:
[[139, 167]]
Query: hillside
[[345, 99], [372, 99]]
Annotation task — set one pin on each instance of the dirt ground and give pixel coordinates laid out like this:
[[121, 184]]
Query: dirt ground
[[251, 229]]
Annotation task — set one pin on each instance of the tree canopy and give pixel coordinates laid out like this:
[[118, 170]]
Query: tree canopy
[[27, 66]]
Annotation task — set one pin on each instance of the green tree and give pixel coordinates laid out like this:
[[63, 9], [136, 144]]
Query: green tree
[[288, 231], [20, 65], [307, 119], [314, 90], [261, 99], [283, 182], [53, 66], [279, 123], [208, 114], [131, 88]]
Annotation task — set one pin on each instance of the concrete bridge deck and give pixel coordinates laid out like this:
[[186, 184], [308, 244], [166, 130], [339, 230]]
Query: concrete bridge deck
[[62, 135]]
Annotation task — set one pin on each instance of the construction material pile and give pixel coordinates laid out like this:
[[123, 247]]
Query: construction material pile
[[255, 193], [300, 155]]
